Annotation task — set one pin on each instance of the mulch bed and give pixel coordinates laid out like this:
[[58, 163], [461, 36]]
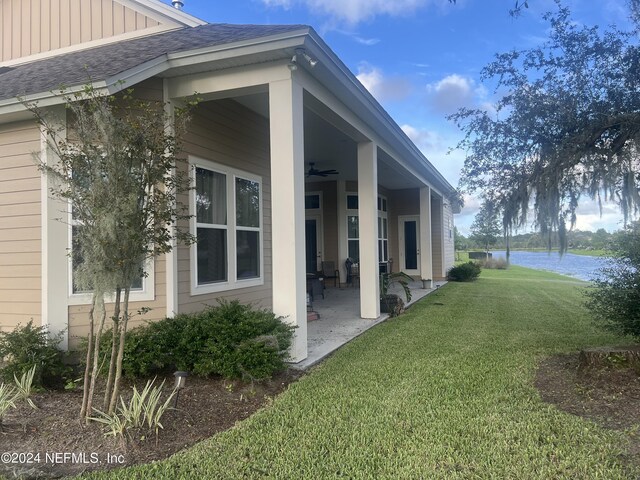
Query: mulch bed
[[610, 396], [206, 406]]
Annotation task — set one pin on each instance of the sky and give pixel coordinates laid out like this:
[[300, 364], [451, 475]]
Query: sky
[[421, 59]]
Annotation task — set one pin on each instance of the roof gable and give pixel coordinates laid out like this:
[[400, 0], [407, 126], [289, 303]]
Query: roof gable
[[34, 29]]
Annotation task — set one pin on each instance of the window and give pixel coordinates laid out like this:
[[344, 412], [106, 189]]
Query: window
[[383, 231], [211, 228], [228, 228], [353, 239], [142, 288], [312, 201]]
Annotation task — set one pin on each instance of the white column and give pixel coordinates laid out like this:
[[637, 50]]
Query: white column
[[426, 253], [287, 207], [343, 247], [55, 242], [368, 229]]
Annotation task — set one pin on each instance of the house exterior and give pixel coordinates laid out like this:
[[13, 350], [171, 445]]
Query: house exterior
[[276, 102]]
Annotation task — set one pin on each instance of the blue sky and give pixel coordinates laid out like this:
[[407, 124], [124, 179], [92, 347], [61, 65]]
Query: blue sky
[[421, 59]]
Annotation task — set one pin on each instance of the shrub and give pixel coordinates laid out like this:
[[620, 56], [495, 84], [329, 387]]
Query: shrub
[[29, 346], [465, 272], [143, 412], [614, 298], [499, 263], [231, 339]]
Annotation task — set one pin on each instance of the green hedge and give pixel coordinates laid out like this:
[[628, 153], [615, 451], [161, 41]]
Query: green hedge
[[27, 346], [231, 340], [465, 272]]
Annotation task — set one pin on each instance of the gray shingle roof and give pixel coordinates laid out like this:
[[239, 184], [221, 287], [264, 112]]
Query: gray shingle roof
[[103, 62]]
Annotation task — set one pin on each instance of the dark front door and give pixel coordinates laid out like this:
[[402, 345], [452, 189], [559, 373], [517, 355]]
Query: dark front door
[[311, 236]]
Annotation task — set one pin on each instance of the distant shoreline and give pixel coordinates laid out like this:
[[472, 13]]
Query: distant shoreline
[[575, 251]]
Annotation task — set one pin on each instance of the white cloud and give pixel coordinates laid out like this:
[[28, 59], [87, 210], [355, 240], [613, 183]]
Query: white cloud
[[355, 11], [357, 38], [286, 4], [428, 141], [381, 87], [589, 217], [366, 41], [435, 145], [455, 91]]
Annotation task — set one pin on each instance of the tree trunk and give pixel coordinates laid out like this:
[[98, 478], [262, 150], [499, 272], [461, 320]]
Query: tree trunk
[[96, 354], [600, 357], [123, 331], [507, 241], [114, 349], [87, 368]]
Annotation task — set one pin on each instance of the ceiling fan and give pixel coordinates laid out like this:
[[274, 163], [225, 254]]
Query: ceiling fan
[[320, 173]]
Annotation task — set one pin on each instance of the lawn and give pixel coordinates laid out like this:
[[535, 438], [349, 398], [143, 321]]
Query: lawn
[[444, 391]]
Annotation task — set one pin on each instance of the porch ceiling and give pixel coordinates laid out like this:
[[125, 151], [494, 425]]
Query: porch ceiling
[[329, 144]]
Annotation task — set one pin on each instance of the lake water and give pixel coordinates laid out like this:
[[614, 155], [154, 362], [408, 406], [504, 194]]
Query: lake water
[[579, 266]]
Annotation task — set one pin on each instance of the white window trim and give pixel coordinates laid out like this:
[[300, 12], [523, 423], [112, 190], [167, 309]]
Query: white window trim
[[382, 214], [146, 294], [353, 212], [232, 282]]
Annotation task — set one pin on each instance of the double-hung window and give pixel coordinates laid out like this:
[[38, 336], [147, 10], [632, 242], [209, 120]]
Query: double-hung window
[[142, 288], [383, 230], [353, 236], [353, 228], [227, 222]]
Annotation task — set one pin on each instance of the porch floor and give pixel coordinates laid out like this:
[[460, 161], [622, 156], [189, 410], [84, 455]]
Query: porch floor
[[340, 321]]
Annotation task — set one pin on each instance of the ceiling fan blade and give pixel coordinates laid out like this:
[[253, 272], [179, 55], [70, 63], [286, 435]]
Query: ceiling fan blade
[[319, 173]]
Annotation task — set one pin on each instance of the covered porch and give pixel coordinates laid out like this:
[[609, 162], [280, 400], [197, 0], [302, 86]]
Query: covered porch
[[376, 200]]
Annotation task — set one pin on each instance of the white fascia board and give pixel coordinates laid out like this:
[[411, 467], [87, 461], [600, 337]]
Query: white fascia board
[[162, 12], [44, 99], [318, 48]]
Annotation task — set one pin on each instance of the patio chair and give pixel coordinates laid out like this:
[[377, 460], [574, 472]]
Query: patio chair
[[353, 271], [329, 271]]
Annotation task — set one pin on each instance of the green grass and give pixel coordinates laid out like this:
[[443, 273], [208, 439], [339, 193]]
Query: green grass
[[444, 391], [590, 253]]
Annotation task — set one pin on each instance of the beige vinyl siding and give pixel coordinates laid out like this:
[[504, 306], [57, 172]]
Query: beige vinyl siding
[[436, 238], [20, 232], [79, 314], [228, 133], [29, 27], [449, 248]]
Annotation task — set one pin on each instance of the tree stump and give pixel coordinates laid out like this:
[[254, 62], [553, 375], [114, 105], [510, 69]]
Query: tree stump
[[607, 357]]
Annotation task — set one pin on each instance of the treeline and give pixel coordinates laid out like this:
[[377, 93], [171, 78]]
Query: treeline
[[577, 239]]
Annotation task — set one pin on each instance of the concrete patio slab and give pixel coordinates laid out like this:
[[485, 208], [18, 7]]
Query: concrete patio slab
[[340, 321]]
